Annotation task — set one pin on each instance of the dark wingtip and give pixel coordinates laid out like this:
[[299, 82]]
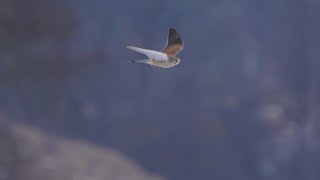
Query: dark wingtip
[[172, 29]]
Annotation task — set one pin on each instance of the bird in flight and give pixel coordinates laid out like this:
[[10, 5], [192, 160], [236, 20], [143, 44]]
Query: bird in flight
[[167, 57]]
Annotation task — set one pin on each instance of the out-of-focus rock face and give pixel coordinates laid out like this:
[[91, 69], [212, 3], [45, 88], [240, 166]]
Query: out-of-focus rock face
[[243, 104], [29, 154]]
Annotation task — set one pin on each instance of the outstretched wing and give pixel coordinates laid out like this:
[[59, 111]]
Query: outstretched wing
[[155, 55], [174, 43]]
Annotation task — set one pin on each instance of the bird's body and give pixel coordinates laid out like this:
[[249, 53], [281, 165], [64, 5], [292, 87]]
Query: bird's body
[[165, 59], [166, 64]]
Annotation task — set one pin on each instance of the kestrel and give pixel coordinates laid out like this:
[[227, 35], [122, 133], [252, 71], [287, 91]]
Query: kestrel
[[167, 57]]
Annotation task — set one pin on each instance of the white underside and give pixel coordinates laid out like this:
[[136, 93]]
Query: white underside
[[162, 64]]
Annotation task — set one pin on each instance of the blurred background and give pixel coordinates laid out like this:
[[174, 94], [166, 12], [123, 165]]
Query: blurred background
[[243, 104]]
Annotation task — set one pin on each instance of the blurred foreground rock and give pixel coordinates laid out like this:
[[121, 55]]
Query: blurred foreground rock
[[27, 153]]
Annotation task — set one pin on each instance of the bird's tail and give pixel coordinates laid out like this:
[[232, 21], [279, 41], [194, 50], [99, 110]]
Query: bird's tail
[[141, 61]]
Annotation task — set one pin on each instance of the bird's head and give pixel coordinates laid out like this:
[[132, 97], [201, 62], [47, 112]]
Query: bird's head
[[177, 61], [174, 60]]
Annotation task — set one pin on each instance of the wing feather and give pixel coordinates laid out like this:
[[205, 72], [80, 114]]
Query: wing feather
[[155, 55], [174, 43]]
